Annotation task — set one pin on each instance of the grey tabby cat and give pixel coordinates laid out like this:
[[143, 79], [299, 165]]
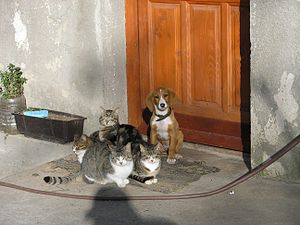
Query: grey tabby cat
[[102, 163], [147, 161], [109, 123], [111, 129]]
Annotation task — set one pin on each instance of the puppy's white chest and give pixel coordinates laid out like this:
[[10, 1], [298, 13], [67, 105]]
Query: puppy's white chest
[[162, 127]]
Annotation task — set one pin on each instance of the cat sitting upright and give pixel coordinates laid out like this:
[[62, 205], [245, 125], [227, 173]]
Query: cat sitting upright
[[147, 161], [110, 128]]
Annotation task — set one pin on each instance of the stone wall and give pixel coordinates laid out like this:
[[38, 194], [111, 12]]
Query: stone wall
[[275, 84], [72, 52]]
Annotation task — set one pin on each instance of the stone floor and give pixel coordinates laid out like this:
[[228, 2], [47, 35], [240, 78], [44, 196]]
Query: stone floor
[[257, 201]]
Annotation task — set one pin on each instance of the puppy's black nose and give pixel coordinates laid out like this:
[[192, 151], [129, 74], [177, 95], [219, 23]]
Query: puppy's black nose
[[162, 105]]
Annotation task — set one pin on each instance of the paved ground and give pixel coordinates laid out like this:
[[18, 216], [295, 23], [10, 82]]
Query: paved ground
[[24, 161]]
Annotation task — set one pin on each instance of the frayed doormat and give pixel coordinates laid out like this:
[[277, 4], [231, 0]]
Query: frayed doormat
[[171, 178], [175, 177]]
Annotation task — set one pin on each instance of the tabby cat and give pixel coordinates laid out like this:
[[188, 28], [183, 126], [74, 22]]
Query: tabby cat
[[147, 161], [80, 145], [110, 129], [102, 163]]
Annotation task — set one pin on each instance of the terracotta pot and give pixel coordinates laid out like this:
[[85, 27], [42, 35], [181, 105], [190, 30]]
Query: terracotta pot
[[7, 107]]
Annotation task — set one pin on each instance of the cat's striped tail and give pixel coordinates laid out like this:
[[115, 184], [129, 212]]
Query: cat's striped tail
[[60, 180], [139, 178]]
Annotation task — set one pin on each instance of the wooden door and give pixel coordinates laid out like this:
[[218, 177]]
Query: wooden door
[[200, 49]]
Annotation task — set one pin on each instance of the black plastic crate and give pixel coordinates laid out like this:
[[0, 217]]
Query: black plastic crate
[[57, 127]]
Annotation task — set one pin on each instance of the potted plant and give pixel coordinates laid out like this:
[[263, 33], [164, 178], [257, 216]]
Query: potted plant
[[12, 98]]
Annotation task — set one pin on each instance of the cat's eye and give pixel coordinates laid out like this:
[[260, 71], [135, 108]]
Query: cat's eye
[[166, 95], [156, 97]]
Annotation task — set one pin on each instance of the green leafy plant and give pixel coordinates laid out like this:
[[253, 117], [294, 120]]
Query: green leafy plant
[[12, 82]]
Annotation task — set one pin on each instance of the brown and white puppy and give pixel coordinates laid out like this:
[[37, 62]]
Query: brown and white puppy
[[164, 126]]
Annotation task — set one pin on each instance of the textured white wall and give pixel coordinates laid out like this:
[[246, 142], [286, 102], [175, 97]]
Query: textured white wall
[[72, 52], [275, 84]]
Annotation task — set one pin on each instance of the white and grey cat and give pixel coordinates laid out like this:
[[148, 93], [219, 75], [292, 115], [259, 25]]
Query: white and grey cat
[[147, 161], [102, 163]]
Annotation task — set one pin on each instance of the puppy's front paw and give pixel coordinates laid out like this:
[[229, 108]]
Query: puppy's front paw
[[171, 161]]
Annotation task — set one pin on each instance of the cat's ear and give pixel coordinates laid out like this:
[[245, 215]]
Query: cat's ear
[[102, 109], [83, 137], [149, 102], [128, 147], [142, 148], [159, 148], [110, 146]]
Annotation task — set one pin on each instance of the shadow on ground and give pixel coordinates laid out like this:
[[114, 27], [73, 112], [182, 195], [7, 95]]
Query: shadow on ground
[[119, 212]]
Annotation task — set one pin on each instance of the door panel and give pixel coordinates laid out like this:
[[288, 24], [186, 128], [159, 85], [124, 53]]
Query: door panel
[[205, 75], [164, 33], [201, 50], [160, 56]]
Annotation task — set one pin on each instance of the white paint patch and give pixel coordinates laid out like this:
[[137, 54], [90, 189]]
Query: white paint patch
[[287, 105], [273, 128], [255, 131], [20, 32], [274, 170], [23, 66], [54, 64]]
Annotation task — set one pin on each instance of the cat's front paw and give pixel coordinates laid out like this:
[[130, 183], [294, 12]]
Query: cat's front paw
[[126, 181], [123, 183], [171, 161], [151, 181], [103, 182]]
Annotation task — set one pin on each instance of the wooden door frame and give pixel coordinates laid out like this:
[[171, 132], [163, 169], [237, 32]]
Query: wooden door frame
[[132, 62]]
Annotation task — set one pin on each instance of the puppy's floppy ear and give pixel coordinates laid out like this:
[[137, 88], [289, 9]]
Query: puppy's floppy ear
[[149, 102], [172, 97]]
